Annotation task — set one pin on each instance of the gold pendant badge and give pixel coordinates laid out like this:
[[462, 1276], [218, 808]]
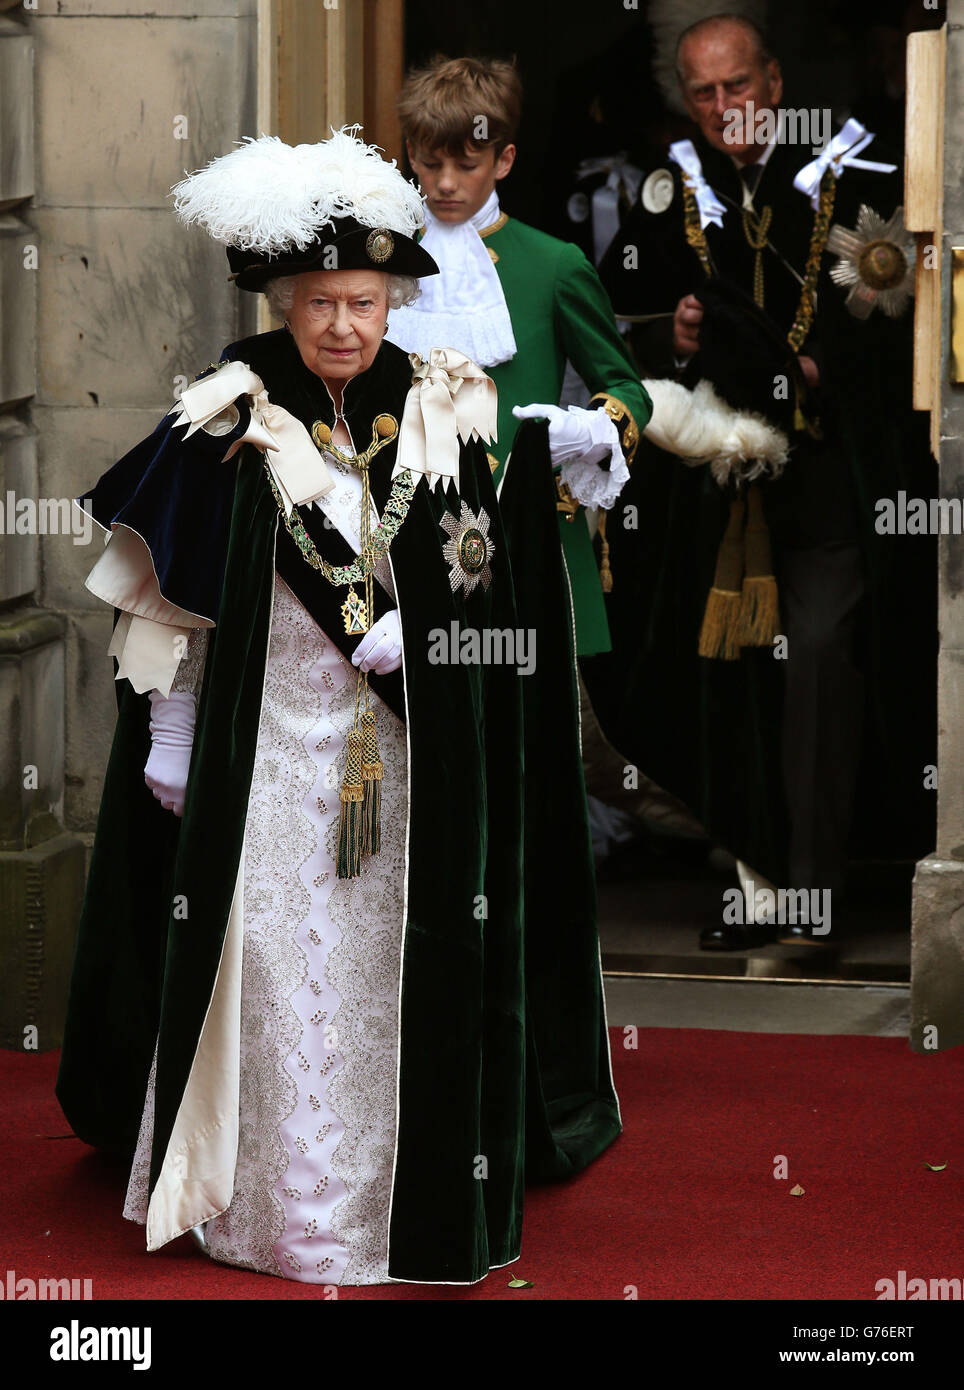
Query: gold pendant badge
[[355, 613]]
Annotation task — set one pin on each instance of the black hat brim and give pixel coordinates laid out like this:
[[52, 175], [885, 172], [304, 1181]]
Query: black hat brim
[[343, 245]]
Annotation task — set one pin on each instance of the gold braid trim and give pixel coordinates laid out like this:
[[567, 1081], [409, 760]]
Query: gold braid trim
[[818, 241], [495, 226], [694, 232], [756, 230], [622, 417]]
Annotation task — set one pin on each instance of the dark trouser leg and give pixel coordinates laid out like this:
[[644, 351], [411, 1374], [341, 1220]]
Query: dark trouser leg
[[820, 589], [605, 772]]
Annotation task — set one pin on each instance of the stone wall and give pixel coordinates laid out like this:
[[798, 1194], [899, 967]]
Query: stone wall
[[130, 94], [107, 306]]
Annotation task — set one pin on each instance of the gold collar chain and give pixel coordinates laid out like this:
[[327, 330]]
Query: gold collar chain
[[803, 321]]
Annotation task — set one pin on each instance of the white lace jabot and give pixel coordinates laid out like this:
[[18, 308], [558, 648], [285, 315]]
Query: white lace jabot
[[464, 306]]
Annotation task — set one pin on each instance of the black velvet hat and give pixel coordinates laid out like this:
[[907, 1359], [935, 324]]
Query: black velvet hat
[[344, 245], [281, 209]]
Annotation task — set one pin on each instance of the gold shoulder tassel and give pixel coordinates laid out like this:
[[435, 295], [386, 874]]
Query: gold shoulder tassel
[[372, 773]]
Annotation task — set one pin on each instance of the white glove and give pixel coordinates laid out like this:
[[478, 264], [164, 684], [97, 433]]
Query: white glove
[[380, 650], [578, 440], [575, 433], [172, 737]]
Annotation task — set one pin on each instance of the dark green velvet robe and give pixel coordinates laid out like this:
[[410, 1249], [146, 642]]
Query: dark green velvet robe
[[707, 730], [502, 1045]]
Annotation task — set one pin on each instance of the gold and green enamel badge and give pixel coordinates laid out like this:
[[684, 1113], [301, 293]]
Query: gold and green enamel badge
[[468, 549]]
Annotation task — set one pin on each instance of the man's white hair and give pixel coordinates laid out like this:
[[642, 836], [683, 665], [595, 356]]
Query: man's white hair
[[280, 292]]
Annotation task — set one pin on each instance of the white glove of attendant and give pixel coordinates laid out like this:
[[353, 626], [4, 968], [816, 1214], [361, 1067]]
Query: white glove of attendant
[[172, 737], [575, 433], [380, 650], [578, 440]]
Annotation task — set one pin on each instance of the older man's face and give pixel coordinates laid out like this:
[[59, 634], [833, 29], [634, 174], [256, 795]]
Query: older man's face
[[337, 318], [720, 71]]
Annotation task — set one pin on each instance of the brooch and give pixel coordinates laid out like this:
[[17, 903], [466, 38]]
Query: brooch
[[468, 549], [380, 245]]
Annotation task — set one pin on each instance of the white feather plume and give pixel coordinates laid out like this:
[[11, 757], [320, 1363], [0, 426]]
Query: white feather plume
[[701, 428], [268, 197]]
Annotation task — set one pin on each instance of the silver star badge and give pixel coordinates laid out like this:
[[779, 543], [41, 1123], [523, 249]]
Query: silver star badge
[[875, 262], [468, 549]]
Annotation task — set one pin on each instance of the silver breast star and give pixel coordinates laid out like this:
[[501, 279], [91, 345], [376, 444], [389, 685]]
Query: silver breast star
[[468, 549]]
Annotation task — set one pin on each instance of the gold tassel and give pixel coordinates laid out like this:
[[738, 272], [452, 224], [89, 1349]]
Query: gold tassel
[[372, 772], [718, 635], [759, 616], [348, 863], [759, 612], [605, 573]]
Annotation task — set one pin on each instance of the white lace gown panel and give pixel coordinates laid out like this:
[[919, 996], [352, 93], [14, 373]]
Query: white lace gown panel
[[320, 976]]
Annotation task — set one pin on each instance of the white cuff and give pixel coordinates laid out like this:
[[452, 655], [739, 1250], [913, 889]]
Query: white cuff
[[591, 485], [588, 483]]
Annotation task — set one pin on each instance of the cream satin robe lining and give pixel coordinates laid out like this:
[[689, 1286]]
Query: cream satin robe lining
[[450, 397], [196, 1181]]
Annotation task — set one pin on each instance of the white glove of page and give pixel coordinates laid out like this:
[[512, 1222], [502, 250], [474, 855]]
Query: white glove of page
[[578, 440], [380, 650], [575, 433], [172, 738]]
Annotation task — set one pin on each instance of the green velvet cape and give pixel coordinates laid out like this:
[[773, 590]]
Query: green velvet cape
[[502, 1046]]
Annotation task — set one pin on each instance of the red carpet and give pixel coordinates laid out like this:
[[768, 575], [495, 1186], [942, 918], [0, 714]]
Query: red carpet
[[683, 1206]]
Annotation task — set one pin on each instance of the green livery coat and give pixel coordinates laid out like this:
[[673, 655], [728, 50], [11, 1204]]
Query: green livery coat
[[559, 310]]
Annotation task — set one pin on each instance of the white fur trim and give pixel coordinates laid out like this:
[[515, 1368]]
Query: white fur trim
[[701, 428], [268, 197]]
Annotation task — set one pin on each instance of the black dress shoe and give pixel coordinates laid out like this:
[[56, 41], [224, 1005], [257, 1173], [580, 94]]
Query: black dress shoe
[[736, 937], [799, 934]]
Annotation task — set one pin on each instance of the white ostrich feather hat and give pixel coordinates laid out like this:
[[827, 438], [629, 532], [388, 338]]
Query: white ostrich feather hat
[[281, 209]]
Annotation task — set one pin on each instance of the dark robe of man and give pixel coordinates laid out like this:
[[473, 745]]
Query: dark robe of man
[[793, 763]]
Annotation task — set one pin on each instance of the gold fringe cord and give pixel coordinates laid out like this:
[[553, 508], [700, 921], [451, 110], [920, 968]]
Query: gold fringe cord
[[718, 635], [348, 862], [372, 773], [605, 573], [759, 618]]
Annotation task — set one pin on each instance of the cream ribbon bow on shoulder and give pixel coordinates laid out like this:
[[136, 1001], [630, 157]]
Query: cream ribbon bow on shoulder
[[850, 141], [296, 465], [151, 635], [450, 399], [683, 153]]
